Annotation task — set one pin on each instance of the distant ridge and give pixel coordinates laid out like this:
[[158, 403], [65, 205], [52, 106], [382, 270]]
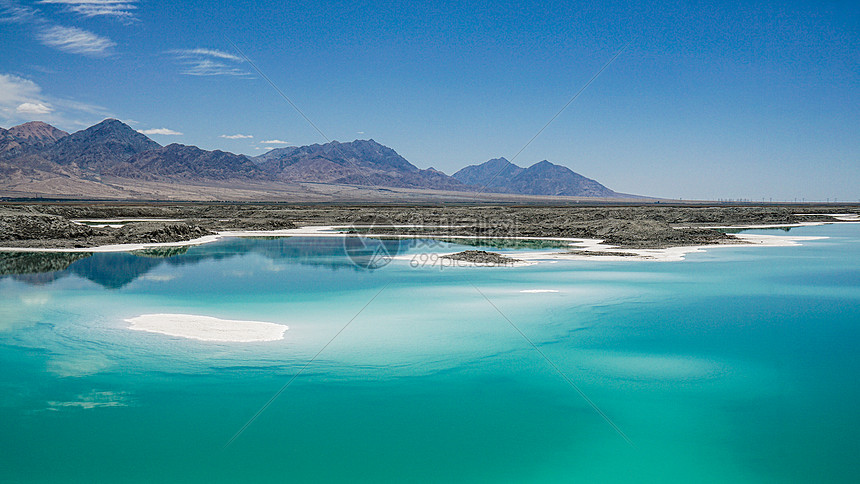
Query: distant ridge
[[542, 178], [361, 162], [112, 159], [495, 173], [189, 163]]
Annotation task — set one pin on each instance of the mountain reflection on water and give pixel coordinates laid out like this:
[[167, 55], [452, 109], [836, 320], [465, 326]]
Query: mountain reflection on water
[[114, 270]]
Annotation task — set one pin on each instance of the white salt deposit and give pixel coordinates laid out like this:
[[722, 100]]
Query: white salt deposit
[[206, 328]]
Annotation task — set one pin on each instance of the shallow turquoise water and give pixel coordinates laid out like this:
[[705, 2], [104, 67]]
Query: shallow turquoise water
[[737, 365]]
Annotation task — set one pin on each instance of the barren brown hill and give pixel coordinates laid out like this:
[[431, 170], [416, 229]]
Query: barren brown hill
[[37, 133]]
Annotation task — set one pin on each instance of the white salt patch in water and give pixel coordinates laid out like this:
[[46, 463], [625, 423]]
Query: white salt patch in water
[[207, 328], [158, 277], [655, 367], [78, 365], [92, 400]]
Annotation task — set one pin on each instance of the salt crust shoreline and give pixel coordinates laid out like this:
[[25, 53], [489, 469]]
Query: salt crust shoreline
[[207, 328], [527, 257]]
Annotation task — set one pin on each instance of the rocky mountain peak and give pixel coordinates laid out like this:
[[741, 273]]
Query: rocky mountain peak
[[37, 133], [102, 145]]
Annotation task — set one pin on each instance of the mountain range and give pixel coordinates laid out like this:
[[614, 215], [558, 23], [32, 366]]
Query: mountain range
[[39, 158], [542, 178]]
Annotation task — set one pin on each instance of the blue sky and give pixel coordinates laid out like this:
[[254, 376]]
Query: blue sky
[[710, 100]]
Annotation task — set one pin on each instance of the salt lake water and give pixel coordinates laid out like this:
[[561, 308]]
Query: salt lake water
[[736, 365]]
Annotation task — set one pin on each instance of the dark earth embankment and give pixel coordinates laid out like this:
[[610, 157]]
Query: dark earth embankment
[[53, 225]]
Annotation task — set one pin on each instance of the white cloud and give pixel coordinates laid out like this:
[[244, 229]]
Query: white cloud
[[205, 67], [93, 8], [208, 62], [67, 39], [219, 54], [12, 12], [75, 40], [22, 100], [237, 136], [33, 108], [275, 142], [161, 131], [16, 90], [18, 96]]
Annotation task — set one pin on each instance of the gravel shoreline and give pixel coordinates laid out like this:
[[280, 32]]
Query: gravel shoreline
[[71, 225]]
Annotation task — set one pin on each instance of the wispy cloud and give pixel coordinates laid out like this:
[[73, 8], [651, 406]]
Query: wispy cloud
[[88, 108], [275, 142], [42, 69], [73, 40], [209, 62], [15, 13], [237, 136], [161, 131], [218, 54], [122, 9]]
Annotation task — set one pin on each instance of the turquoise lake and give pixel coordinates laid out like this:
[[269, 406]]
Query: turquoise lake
[[736, 365]]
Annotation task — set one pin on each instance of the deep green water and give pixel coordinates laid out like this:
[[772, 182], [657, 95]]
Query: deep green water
[[737, 365]]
